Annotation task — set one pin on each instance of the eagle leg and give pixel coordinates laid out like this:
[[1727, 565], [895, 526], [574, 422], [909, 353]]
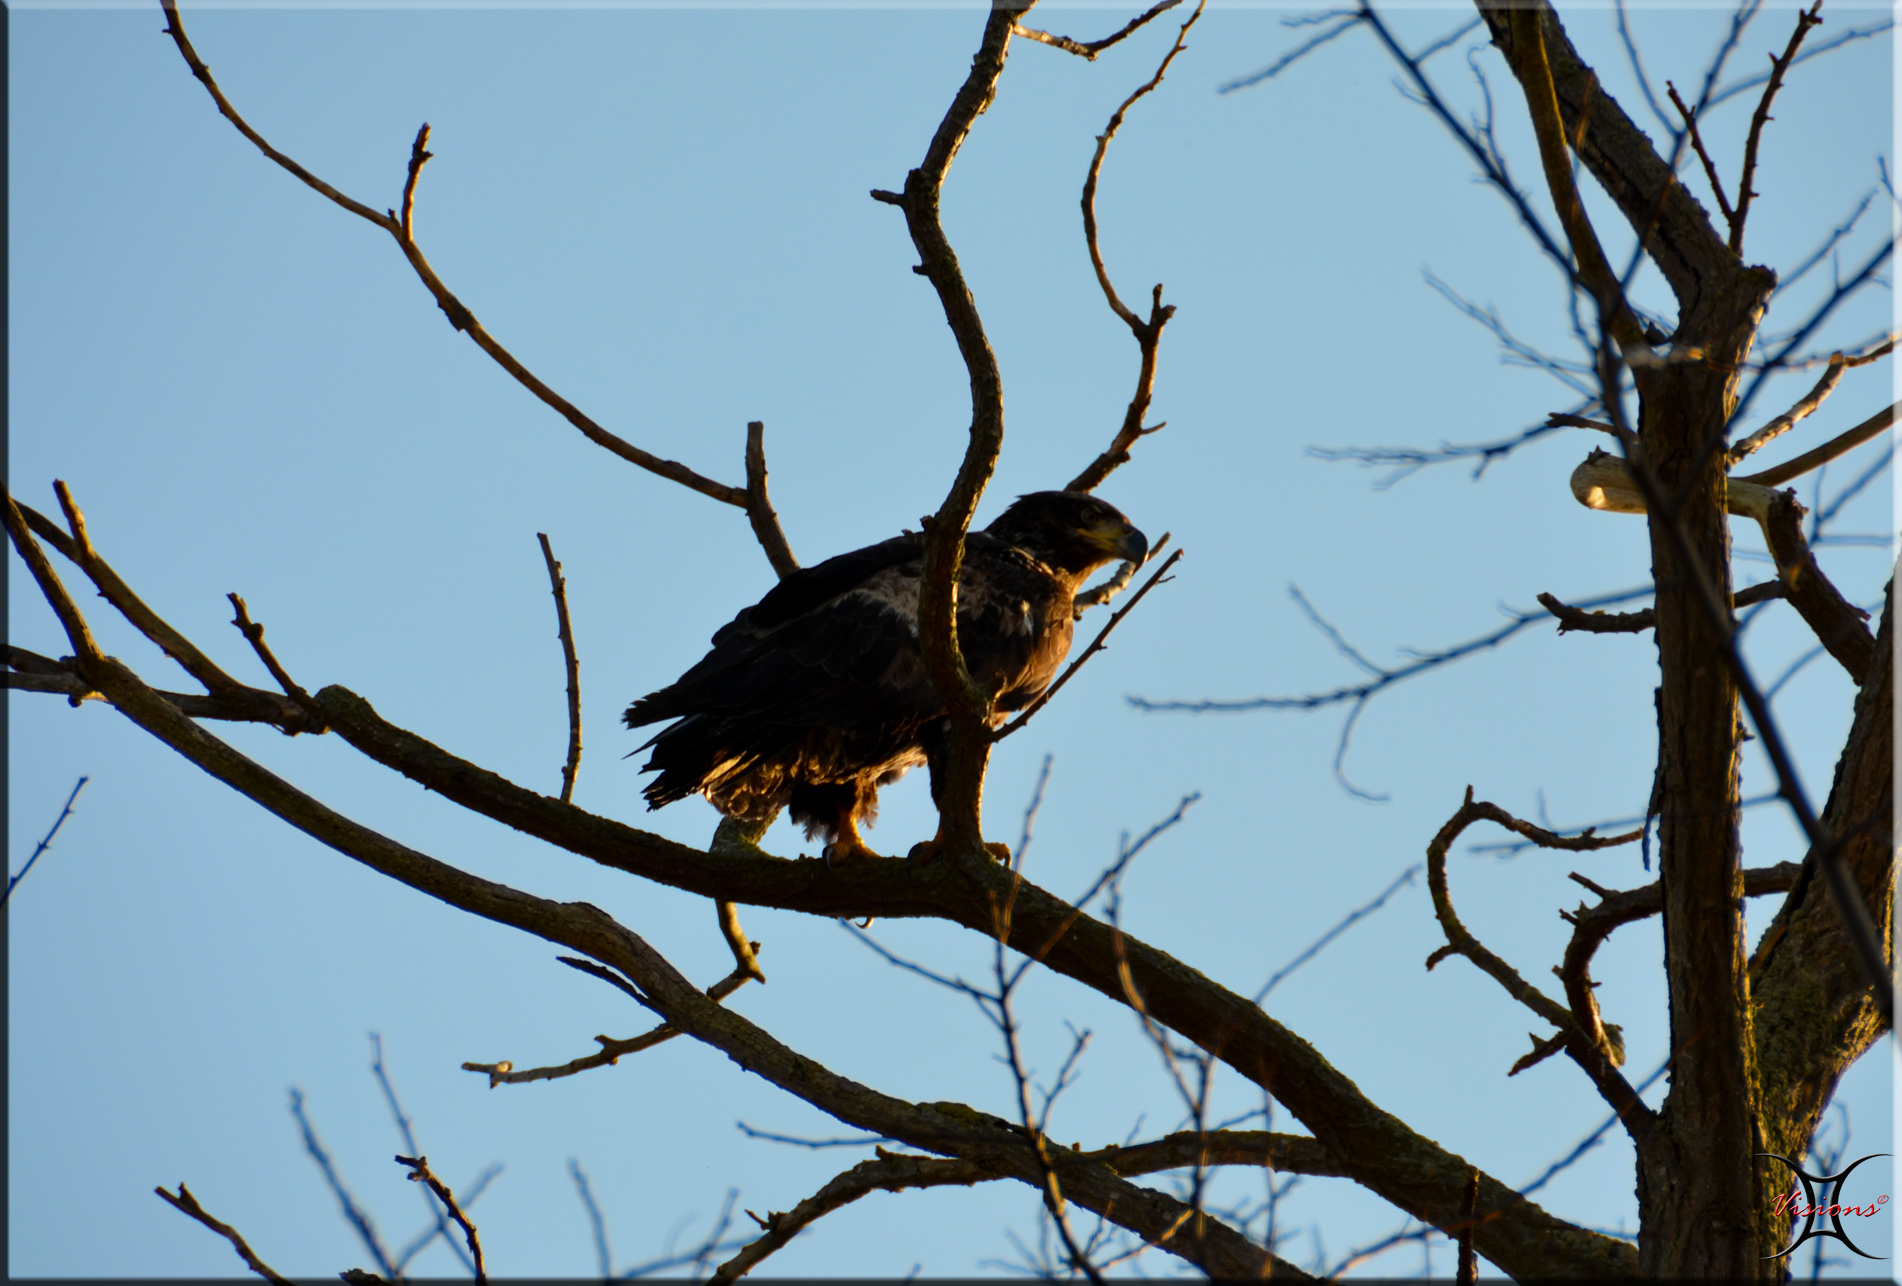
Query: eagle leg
[[847, 845]]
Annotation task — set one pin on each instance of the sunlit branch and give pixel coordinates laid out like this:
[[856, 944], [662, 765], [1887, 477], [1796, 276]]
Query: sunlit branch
[[184, 1202], [1091, 48]]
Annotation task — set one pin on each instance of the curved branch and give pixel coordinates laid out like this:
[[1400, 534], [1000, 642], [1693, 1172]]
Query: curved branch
[[1148, 333], [458, 313], [759, 506], [1586, 1039], [1839, 625], [185, 1203], [1375, 1148], [966, 702]]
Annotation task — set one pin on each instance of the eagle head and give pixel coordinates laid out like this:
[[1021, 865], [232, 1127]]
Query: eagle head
[[1070, 531]]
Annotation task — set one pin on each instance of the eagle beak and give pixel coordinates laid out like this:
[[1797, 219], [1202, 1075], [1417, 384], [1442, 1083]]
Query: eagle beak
[[1129, 544]]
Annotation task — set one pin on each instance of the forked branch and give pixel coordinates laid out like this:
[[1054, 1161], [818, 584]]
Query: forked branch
[[1589, 1043], [185, 1203], [400, 225], [1148, 332], [1778, 66], [1090, 49]]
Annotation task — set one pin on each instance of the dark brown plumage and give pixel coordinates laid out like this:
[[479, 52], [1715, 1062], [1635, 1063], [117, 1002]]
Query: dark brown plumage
[[817, 695]]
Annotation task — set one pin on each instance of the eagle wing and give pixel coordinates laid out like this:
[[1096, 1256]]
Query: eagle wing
[[832, 645]]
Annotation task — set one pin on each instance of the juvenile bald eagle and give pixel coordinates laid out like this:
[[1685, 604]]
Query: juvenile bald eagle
[[817, 695]]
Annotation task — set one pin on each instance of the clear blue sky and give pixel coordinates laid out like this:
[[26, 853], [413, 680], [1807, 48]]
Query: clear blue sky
[[664, 213]]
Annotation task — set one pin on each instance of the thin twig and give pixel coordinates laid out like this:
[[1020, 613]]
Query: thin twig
[[1697, 145], [1343, 24], [420, 1173], [1573, 618], [759, 506], [46, 843], [184, 1202], [1095, 646], [404, 1127], [78, 549], [558, 584], [254, 634], [1148, 332], [612, 1050], [1835, 42], [358, 1218], [1403, 880], [1778, 66], [1118, 581], [1357, 695], [1090, 49], [602, 1255], [745, 952]]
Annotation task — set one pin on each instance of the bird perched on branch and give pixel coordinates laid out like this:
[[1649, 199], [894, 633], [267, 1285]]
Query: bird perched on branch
[[817, 695]]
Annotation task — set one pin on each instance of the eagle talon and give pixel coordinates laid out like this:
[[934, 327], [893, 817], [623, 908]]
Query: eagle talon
[[841, 852]]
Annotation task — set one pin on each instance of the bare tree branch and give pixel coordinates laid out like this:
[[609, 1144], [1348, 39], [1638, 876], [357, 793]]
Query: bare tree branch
[[1090, 49], [1573, 618], [1689, 115], [1839, 625], [399, 227], [45, 843], [1840, 445], [1356, 695], [1588, 1042], [357, 1217], [421, 1173], [1427, 1182], [558, 585], [611, 1051], [1343, 22], [254, 635], [1096, 645], [759, 506], [967, 704], [1778, 67], [184, 1202]]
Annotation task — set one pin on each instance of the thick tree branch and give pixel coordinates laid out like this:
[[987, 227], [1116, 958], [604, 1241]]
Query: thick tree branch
[[1816, 1013], [1674, 229], [1839, 625], [967, 703], [1530, 66], [1378, 1149]]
